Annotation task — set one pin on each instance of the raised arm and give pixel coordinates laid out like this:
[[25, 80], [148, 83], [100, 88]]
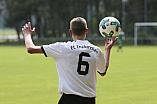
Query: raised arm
[[108, 45], [31, 48]]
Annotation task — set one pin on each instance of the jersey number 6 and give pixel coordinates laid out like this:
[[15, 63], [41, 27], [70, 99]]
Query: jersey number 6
[[85, 63]]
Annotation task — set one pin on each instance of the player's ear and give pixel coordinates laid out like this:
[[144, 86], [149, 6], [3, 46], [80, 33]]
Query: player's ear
[[70, 32], [86, 31]]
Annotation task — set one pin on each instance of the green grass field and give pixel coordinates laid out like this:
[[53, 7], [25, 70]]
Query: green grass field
[[33, 79]]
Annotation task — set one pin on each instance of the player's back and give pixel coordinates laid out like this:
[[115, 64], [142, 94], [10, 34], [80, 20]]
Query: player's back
[[77, 63], [77, 68]]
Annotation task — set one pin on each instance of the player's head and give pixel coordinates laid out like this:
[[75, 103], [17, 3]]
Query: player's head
[[78, 26]]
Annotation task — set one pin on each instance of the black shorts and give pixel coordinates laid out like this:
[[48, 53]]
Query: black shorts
[[75, 99]]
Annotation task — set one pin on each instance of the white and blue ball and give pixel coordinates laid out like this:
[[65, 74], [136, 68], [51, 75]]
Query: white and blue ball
[[109, 27]]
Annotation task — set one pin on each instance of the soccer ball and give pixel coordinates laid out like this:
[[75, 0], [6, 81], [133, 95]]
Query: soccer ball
[[109, 27]]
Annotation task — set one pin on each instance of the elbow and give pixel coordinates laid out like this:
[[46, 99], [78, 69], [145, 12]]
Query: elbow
[[30, 50], [107, 67], [103, 74]]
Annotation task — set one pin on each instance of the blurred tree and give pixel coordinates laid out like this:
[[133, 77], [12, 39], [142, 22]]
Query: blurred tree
[[151, 10], [20, 12], [135, 13], [52, 17], [16, 14], [39, 9], [1, 7]]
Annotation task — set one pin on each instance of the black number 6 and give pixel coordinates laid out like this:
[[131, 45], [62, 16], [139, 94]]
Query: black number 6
[[85, 72]]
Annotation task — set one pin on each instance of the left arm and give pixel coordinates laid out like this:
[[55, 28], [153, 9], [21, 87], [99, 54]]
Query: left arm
[[31, 48]]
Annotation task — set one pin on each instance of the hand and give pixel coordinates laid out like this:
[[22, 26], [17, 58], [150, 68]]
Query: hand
[[109, 43], [27, 29]]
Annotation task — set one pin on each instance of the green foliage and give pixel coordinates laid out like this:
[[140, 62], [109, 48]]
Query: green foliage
[[52, 17]]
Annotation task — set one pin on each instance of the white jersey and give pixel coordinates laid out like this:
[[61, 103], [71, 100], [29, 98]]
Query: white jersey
[[77, 63]]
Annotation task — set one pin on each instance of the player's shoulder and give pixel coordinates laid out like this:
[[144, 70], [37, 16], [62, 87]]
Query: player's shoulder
[[56, 45], [62, 43], [95, 47]]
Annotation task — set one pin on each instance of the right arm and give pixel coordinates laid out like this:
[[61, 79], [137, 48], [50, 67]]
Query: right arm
[[108, 46]]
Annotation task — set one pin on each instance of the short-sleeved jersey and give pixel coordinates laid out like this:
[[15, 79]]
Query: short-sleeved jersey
[[77, 63]]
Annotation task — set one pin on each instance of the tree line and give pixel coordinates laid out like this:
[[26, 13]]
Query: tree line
[[51, 17]]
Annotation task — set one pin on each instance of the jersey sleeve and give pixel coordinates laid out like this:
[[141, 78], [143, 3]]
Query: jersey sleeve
[[101, 63], [52, 50]]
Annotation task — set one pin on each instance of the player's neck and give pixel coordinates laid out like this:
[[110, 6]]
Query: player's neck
[[78, 37]]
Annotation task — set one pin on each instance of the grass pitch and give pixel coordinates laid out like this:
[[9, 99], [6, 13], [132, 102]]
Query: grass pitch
[[33, 79]]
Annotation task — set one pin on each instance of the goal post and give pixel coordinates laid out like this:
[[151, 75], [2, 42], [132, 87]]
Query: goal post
[[136, 25]]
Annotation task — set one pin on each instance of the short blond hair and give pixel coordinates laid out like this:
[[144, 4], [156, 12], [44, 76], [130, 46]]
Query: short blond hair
[[78, 26]]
